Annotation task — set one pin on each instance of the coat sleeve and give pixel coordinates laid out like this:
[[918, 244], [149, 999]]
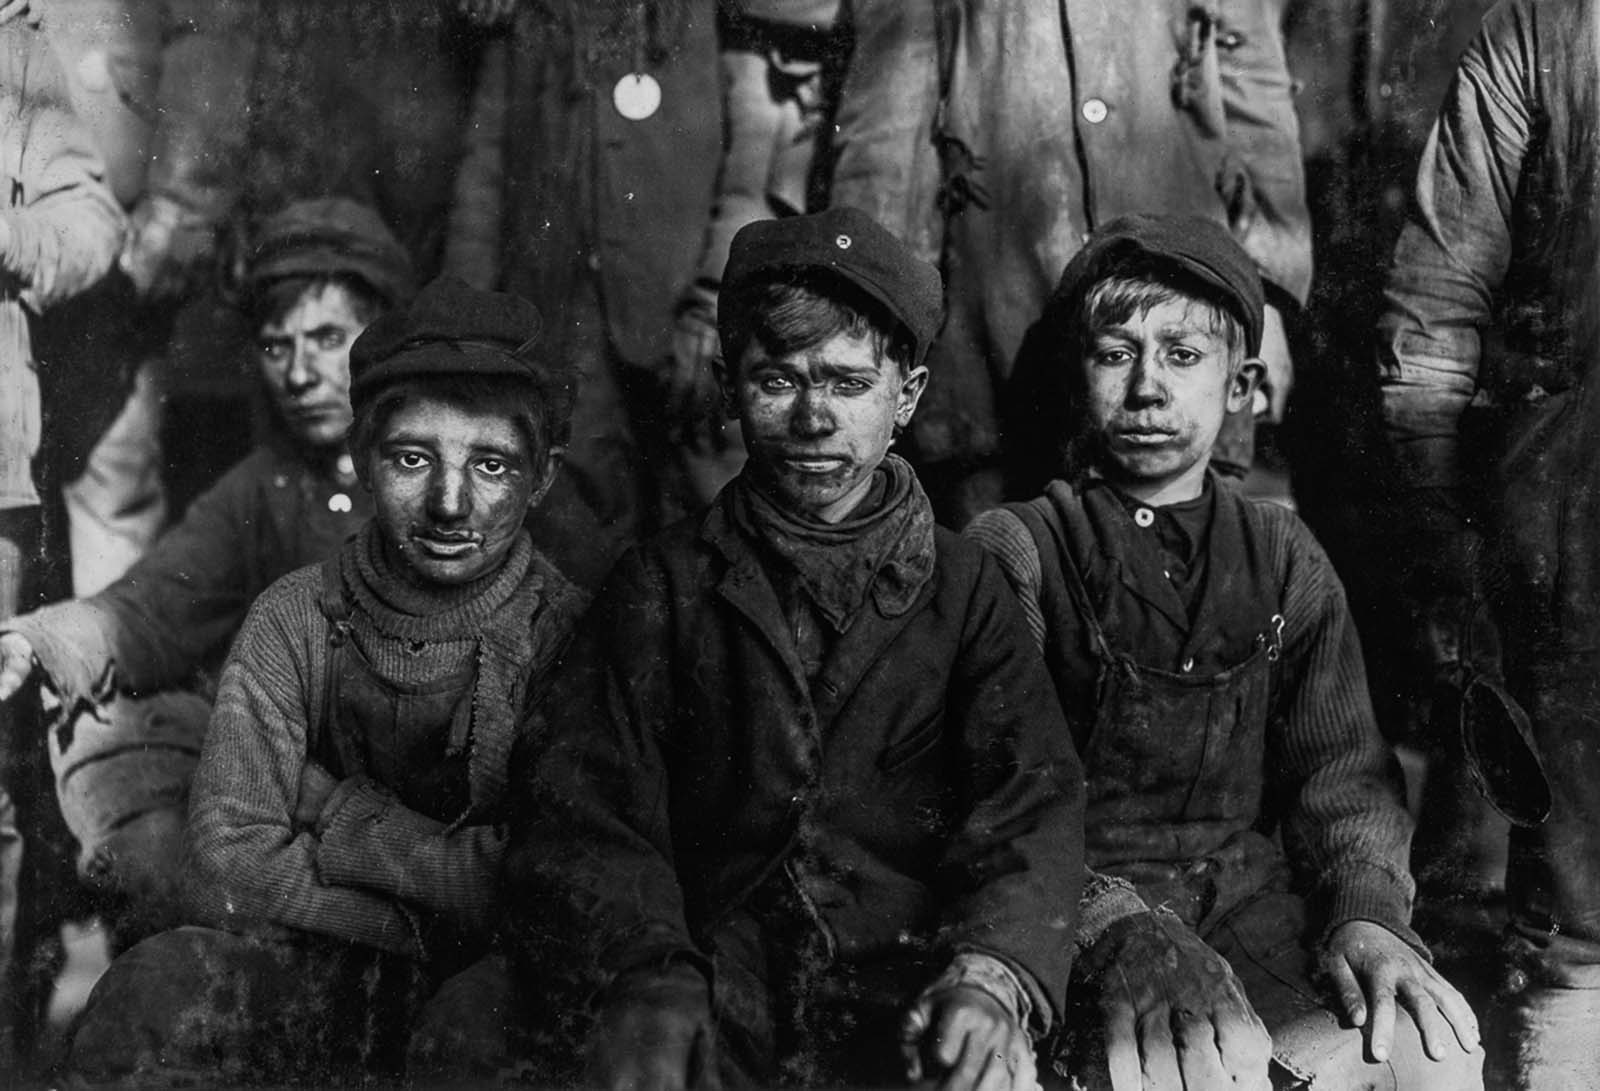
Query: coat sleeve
[[248, 863], [1339, 786], [1013, 869], [1267, 206], [1454, 251], [63, 224], [591, 850], [181, 603]]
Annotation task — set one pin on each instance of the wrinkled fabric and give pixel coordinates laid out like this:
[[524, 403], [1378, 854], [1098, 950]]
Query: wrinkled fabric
[[1186, 792], [702, 801], [992, 158], [1492, 400], [64, 229]]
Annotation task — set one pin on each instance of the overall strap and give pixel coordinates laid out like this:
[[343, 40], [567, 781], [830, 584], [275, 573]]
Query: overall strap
[[333, 604], [1058, 568]]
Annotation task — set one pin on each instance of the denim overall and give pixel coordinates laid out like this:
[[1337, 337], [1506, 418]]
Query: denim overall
[[1175, 762]]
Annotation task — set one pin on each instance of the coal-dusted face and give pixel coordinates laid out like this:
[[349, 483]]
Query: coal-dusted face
[[451, 487], [818, 421]]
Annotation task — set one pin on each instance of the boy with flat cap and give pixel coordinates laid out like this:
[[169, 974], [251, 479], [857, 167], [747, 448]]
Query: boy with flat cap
[[806, 791], [133, 666], [345, 829], [1244, 817]]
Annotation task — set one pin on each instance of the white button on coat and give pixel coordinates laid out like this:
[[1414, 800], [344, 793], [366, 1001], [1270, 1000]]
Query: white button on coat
[[1095, 111]]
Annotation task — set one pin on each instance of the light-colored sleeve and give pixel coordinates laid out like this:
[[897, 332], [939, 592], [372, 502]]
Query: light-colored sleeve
[[1454, 251], [64, 225], [247, 862]]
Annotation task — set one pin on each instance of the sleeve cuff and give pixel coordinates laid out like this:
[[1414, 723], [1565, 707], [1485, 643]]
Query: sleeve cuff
[[1371, 895], [973, 969], [1105, 901]]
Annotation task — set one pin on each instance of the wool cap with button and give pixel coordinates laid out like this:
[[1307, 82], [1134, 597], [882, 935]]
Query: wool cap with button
[[1196, 246], [451, 328], [327, 236], [842, 242]]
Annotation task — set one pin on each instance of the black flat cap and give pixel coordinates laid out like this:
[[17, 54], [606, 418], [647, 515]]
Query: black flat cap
[[451, 328], [842, 242], [1194, 245], [325, 236]]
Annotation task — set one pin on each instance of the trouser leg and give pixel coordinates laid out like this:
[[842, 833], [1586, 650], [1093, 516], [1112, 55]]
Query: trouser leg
[[1545, 1027], [117, 506]]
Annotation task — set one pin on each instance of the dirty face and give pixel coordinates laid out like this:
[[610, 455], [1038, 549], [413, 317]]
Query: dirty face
[[1159, 385], [304, 359], [451, 487], [819, 421]]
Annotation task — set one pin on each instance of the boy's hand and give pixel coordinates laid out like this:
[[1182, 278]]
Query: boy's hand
[[16, 663], [963, 1039], [1174, 1013], [1369, 967], [655, 1035]]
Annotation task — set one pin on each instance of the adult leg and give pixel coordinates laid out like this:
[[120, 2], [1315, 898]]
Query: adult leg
[[1544, 1027], [1264, 941]]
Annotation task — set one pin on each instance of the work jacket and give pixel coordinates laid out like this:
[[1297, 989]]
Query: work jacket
[[921, 795]]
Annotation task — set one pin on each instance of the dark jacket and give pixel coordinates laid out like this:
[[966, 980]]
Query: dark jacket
[[924, 792], [580, 197], [176, 611]]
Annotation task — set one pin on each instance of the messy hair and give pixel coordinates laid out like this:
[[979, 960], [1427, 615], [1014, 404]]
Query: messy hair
[[274, 299], [1043, 406], [788, 316], [1116, 298], [542, 415]]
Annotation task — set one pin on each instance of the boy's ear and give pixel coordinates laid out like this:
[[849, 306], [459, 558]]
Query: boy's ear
[[1244, 383]]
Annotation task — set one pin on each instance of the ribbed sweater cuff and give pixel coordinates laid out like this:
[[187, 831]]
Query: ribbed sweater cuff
[[1106, 900], [365, 838], [1371, 894]]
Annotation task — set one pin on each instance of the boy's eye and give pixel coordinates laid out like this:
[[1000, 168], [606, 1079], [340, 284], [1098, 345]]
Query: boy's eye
[[272, 350], [1183, 356], [853, 386], [492, 467], [410, 460], [328, 340], [774, 384], [1111, 357]]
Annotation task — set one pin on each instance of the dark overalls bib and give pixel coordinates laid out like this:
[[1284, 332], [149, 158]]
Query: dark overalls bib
[[1174, 762], [387, 730]]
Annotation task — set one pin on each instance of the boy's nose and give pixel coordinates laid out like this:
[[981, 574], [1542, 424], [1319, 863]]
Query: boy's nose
[[812, 416]]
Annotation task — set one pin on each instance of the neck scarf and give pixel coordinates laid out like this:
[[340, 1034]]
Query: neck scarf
[[886, 552]]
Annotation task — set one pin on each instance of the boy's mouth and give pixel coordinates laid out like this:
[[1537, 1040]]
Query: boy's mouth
[[1144, 437]]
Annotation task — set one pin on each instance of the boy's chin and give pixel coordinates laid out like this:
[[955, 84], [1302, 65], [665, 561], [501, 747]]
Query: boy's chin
[[1142, 470]]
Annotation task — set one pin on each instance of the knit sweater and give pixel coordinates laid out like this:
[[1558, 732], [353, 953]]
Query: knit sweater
[[1332, 776], [369, 869]]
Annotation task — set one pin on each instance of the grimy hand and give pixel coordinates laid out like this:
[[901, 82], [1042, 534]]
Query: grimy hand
[[1369, 968], [17, 663], [1176, 1016], [963, 1039]]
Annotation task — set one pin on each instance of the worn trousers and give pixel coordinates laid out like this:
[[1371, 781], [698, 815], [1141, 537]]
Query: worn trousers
[[200, 1007]]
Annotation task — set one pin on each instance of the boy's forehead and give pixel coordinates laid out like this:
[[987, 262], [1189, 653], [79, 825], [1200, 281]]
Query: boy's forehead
[[1180, 315]]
